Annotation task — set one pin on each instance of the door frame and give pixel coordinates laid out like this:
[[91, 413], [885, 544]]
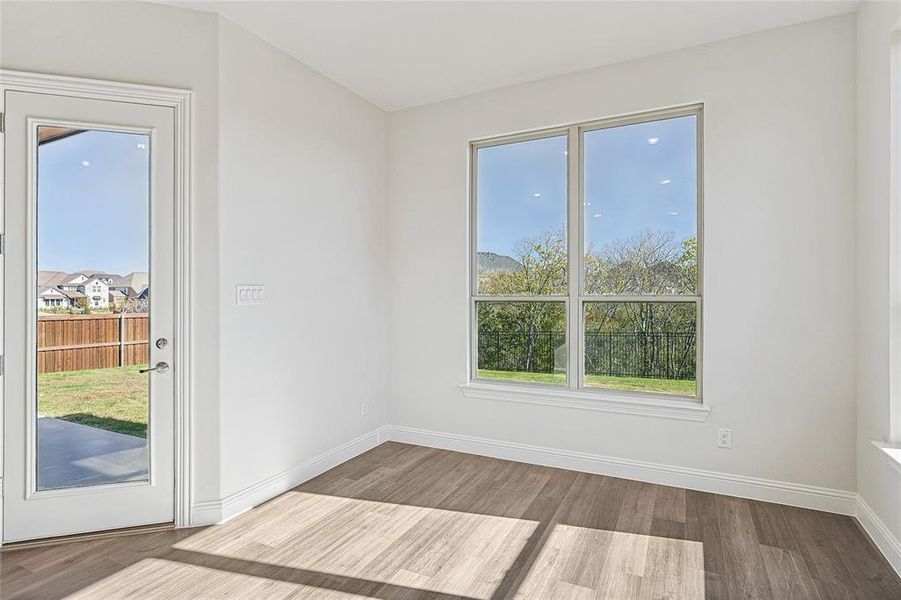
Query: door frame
[[182, 103]]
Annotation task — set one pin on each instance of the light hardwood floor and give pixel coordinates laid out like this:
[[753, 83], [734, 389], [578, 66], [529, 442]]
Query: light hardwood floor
[[409, 522]]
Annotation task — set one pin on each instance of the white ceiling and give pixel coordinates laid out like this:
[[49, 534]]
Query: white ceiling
[[404, 54]]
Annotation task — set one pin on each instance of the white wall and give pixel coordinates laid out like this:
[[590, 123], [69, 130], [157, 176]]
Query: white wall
[[157, 45], [780, 247], [291, 175], [877, 483], [302, 210]]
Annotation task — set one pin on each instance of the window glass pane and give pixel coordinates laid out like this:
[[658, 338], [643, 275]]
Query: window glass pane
[[521, 207], [640, 208], [522, 341], [92, 275], [641, 346]]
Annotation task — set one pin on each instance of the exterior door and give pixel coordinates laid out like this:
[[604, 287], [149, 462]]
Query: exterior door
[[88, 297]]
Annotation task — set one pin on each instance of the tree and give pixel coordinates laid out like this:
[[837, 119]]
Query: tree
[[542, 261], [531, 331], [650, 262], [135, 305]]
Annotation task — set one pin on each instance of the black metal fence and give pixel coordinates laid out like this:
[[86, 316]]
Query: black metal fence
[[523, 352], [658, 355]]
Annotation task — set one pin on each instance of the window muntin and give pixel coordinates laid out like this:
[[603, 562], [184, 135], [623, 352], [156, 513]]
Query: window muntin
[[641, 257]]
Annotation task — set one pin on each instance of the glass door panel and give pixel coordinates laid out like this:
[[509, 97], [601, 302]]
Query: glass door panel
[[93, 307]]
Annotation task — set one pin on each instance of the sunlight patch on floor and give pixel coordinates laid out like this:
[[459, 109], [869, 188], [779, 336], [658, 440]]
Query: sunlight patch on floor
[[578, 562], [444, 551]]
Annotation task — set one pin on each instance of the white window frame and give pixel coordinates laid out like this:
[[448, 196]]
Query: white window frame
[[574, 390]]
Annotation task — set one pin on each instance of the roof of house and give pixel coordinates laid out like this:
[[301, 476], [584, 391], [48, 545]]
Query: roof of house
[[50, 290], [94, 278], [46, 289], [137, 280], [52, 278]]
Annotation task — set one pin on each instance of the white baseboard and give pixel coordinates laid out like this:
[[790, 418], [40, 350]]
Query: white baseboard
[[794, 494], [204, 513], [885, 540], [219, 511]]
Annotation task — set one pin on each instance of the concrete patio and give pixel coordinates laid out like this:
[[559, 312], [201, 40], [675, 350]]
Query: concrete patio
[[75, 455]]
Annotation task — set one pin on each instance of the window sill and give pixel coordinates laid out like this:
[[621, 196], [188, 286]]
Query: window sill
[[892, 452], [603, 401]]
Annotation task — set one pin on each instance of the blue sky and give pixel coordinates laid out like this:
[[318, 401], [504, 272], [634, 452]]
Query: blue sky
[[637, 177], [93, 203]]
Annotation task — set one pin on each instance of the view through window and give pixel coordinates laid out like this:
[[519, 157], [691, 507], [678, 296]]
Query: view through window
[[93, 295], [635, 283]]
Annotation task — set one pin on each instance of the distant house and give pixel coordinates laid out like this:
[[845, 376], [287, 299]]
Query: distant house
[[51, 297], [117, 299], [55, 297], [57, 289], [76, 298], [131, 285], [97, 292]]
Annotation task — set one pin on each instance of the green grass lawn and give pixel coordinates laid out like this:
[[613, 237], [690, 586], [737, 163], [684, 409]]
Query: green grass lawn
[[111, 399], [680, 387]]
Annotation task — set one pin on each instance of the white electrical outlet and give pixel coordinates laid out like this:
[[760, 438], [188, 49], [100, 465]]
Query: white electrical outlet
[[246, 295], [723, 437], [364, 408]]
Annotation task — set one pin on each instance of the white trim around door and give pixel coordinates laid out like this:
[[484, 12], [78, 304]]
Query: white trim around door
[[181, 101]]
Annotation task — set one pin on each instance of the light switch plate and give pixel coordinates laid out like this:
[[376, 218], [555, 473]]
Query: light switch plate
[[247, 295]]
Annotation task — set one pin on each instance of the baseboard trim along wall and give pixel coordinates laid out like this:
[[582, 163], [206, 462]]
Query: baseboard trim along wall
[[795, 494], [219, 511], [885, 540]]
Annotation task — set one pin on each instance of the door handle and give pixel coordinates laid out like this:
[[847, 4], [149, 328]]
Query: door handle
[[161, 367]]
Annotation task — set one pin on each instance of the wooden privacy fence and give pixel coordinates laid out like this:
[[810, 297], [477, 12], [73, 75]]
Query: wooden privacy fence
[[96, 341]]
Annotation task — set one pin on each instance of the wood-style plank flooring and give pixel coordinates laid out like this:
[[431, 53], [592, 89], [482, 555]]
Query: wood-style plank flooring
[[404, 522]]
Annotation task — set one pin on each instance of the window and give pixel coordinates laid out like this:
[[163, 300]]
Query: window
[[586, 255]]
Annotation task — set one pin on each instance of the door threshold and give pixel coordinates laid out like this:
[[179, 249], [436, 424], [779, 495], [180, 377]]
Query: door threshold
[[83, 537]]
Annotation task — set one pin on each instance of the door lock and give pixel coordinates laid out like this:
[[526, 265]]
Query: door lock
[[162, 343]]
